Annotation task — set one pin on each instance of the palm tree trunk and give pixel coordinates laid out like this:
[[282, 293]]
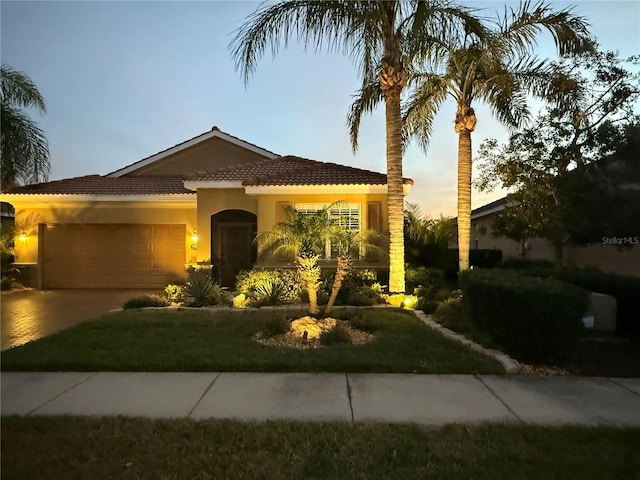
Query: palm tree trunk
[[343, 267], [309, 273], [464, 124], [395, 195], [464, 198]]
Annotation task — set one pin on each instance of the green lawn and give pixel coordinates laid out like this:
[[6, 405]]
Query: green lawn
[[126, 448], [156, 340]]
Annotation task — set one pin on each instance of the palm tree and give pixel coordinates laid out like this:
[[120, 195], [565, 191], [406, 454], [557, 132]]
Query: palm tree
[[24, 152], [498, 68], [385, 38], [303, 235], [347, 243]]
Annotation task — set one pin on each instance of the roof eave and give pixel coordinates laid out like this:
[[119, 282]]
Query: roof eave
[[84, 197], [320, 189], [194, 185]]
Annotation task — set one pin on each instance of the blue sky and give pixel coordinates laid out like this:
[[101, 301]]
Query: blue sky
[[124, 80]]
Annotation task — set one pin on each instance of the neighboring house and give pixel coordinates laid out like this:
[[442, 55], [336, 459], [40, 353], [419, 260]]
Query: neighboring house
[[606, 256], [201, 201]]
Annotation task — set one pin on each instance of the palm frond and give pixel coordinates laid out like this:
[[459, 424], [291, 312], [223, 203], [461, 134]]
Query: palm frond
[[24, 150], [365, 101], [17, 90], [339, 26], [420, 109]]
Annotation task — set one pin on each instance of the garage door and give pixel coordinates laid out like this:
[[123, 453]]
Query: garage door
[[112, 256]]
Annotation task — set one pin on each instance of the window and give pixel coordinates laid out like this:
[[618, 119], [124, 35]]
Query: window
[[347, 214]]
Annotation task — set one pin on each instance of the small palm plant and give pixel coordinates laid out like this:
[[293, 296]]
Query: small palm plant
[[304, 236], [348, 243]]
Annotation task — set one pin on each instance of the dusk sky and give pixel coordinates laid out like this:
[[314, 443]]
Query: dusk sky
[[124, 80]]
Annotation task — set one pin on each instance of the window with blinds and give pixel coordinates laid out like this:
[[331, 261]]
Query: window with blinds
[[348, 214]]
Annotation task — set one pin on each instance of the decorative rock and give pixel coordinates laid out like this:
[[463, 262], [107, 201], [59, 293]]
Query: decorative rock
[[313, 327]]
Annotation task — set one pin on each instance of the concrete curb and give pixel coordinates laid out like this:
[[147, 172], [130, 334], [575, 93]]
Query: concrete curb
[[511, 366]]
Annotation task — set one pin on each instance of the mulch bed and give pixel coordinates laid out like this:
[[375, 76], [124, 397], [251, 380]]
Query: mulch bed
[[292, 340]]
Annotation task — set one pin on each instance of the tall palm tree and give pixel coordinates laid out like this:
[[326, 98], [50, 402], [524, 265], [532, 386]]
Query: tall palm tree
[[303, 235], [24, 152], [498, 68], [385, 38]]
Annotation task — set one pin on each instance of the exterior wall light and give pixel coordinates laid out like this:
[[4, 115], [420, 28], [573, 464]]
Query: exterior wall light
[[23, 237], [194, 240]]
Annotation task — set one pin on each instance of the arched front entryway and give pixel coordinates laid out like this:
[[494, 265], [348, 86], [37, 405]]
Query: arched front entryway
[[232, 247]]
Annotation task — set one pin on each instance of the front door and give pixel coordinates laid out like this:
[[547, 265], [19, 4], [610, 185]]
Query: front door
[[232, 248]]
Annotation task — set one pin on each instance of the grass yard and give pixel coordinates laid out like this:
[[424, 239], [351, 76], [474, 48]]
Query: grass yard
[[128, 448], [170, 341]]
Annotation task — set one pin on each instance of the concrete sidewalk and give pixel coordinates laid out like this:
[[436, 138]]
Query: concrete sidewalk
[[423, 399]]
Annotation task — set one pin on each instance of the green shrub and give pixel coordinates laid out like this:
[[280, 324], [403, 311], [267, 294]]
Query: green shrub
[[535, 319], [146, 300], [427, 305], [278, 325], [174, 293], [201, 290], [6, 283], [271, 291], [625, 289], [427, 278], [363, 322], [248, 281], [338, 335], [485, 257], [359, 287], [452, 314]]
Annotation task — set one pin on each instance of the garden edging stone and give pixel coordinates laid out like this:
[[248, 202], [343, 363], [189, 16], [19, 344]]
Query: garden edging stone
[[511, 366]]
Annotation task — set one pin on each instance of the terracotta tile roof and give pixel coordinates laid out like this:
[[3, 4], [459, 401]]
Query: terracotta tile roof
[[291, 170], [99, 185], [287, 170]]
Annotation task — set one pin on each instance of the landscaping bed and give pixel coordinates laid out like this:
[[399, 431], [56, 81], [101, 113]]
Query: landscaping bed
[[106, 448], [169, 340]]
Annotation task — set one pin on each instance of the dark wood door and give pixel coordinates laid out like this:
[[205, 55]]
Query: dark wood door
[[236, 251]]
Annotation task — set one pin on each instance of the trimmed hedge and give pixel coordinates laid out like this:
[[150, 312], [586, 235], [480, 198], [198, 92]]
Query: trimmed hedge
[[145, 300], [626, 290], [534, 319]]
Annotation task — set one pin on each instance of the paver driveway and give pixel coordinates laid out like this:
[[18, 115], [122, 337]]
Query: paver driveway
[[31, 314]]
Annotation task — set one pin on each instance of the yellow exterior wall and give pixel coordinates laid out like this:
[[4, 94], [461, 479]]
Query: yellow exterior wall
[[208, 155], [212, 201], [267, 206], [195, 215], [30, 214]]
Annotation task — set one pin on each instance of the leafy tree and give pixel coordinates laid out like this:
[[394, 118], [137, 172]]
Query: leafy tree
[[498, 68], [570, 173], [386, 39], [24, 152]]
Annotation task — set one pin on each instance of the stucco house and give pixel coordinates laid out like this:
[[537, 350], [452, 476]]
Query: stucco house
[[201, 201], [604, 256]]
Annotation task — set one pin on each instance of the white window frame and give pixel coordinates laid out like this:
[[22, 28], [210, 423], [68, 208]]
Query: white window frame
[[343, 210]]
